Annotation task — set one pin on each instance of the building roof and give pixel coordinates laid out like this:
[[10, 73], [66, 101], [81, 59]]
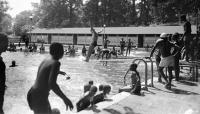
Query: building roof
[[115, 30]]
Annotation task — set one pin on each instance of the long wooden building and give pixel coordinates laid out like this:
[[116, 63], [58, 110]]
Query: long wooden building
[[141, 36]]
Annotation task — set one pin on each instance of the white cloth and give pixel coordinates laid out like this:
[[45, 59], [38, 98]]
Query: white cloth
[[167, 61]]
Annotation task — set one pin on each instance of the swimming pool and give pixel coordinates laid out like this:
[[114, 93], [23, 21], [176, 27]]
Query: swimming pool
[[22, 77]]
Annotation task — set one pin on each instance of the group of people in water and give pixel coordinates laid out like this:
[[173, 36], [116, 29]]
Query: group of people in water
[[31, 47], [92, 95]]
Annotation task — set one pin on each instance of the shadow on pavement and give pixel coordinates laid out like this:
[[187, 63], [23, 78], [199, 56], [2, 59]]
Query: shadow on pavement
[[185, 82], [180, 91], [167, 91], [112, 111], [129, 110]]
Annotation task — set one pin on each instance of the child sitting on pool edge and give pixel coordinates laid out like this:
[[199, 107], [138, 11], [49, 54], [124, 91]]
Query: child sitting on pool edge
[[135, 79], [87, 99]]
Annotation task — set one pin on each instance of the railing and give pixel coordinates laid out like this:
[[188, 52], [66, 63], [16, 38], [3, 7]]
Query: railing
[[195, 65]]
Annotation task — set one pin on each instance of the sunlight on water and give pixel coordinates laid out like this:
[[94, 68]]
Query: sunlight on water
[[22, 77]]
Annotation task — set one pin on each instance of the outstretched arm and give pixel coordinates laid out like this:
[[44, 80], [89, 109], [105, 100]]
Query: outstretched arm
[[177, 49], [125, 77], [151, 54], [55, 69], [100, 31]]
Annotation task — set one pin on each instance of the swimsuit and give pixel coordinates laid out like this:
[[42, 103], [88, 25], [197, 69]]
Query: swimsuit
[[38, 101]]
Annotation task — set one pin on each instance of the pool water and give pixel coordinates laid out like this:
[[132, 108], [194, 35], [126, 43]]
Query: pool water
[[21, 78]]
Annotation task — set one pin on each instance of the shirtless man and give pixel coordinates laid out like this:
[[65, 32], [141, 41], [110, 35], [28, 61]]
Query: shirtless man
[[167, 59], [46, 80], [129, 46], [93, 44], [186, 38]]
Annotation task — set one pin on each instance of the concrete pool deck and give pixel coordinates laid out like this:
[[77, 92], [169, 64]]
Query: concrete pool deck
[[183, 98]]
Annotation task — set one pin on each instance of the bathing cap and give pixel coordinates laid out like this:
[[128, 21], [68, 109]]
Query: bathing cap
[[163, 35]]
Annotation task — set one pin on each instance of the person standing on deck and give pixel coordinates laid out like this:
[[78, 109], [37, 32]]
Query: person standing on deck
[[176, 40], [129, 46], [167, 59], [3, 48], [157, 55], [122, 46], [186, 36]]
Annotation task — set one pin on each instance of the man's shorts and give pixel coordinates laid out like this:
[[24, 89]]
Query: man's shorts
[[38, 102]]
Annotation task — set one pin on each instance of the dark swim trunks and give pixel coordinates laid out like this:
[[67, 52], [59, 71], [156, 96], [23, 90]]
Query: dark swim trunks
[[38, 101]]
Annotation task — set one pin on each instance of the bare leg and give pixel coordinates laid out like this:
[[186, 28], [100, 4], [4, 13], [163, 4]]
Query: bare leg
[[157, 65], [168, 86], [177, 68], [162, 74]]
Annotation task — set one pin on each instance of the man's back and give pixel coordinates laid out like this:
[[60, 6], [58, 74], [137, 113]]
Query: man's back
[[165, 49], [43, 74]]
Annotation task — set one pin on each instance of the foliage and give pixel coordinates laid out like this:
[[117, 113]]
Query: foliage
[[170, 10], [23, 23], [59, 13], [110, 12], [73, 13], [3, 8], [6, 23]]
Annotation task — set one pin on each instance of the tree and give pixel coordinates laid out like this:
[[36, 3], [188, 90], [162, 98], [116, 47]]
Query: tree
[[166, 11], [144, 12], [23, 23], [3, 8], [6, 23], [59, 13], [110, 12]]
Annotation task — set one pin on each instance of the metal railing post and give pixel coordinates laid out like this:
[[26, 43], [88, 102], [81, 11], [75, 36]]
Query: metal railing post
[[151, 70], [145, 88]]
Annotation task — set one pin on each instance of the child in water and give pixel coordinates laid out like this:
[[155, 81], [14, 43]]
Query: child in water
[[87, 99], [102, 95], [88, 86], [46, 80]]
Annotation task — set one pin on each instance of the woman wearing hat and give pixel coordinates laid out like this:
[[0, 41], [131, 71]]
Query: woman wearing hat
[[167, 59]]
